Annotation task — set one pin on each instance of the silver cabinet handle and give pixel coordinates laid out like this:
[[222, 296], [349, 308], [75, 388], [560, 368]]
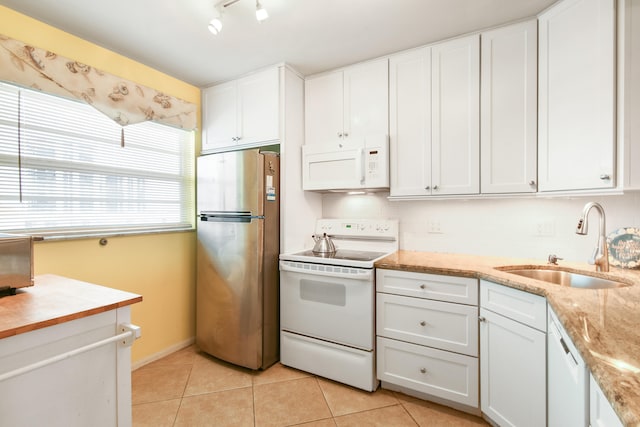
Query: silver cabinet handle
[[435, 187], [423, 286], [532, 182], [427, 187], [605, 177], [339, 134], [346, 134], [482, 318], [423, 323], [423, 371]]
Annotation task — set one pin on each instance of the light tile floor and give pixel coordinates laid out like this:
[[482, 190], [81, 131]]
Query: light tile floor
[[191, 388]]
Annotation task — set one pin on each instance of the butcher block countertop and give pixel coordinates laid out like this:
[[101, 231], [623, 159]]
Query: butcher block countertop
[[54, 300], [604, 324]]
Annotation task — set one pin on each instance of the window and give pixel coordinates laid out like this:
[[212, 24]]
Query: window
[[63, 169]]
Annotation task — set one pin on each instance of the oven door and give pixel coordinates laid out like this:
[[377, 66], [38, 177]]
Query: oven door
[[328, 302]]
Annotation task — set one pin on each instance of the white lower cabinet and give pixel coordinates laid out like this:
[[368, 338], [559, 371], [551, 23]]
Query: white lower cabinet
[[427, 341], [512, 356], [601, 413], [81, 388]]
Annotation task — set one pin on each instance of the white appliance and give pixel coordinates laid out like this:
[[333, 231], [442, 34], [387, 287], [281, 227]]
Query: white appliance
[[353, 165], [327, 302], [567, 379]]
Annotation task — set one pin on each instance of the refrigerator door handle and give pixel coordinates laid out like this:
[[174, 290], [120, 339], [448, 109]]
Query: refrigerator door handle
[[228, 217]]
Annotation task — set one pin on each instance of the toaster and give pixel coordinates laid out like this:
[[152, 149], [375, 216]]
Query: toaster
[[16, 262]]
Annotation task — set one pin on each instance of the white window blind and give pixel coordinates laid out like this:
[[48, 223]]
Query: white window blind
[[63, 169]]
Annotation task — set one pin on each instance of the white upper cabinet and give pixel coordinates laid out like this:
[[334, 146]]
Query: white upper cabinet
[[410, 123], [455, 115], [242, 113], [630, 68], [576, 141], [434, 119], [347, 105], [508, 113]]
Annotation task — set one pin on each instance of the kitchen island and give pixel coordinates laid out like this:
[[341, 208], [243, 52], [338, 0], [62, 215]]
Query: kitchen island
[[603, 323], [59, 355]]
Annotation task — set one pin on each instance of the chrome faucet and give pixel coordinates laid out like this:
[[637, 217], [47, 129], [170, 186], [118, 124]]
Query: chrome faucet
[[600, 255]]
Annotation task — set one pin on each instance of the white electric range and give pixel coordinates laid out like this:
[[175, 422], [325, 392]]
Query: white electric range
[[327, 302]]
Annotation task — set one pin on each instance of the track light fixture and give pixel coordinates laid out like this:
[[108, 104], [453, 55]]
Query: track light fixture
[[215, 25]]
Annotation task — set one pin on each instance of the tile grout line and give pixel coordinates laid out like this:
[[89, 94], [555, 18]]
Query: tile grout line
[[175, 419]]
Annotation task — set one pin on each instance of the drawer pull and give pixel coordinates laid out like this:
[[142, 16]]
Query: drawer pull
[[423, 371], [423, 286], [482, 319], [423, 323]]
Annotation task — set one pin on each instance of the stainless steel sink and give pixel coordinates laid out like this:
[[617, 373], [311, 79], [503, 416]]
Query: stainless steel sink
[[565, 278]]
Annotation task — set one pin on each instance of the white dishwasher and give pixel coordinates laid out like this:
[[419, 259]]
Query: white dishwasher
[[567, 379]]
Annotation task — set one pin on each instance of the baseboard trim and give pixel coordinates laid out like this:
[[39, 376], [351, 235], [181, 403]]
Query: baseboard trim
[[165, 352]]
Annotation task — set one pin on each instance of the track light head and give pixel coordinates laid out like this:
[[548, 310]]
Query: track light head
[[215, 25], [261, 12]]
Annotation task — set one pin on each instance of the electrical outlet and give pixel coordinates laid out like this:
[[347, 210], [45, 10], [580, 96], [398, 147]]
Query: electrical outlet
[[545, 228], [434, 227]]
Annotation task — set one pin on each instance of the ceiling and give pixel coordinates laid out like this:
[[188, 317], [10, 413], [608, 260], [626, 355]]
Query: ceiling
[[310, 35]]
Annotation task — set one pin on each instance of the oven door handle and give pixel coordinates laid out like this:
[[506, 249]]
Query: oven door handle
[[328, 271]]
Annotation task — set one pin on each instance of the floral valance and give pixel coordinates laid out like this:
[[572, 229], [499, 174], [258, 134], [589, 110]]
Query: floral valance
[[124, 101]]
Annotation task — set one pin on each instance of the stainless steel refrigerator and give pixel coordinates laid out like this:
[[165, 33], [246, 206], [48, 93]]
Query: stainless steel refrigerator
[[237, 314]]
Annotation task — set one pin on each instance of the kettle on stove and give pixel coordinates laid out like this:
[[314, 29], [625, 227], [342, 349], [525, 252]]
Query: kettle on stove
[[323, 245]]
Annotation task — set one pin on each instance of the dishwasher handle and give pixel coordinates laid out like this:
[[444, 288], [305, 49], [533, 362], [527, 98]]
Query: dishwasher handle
[[555, 332]]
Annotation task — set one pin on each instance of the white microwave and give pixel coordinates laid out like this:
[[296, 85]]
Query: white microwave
[[356, 165]]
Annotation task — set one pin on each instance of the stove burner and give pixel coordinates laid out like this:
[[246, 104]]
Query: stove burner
[[344, 254]]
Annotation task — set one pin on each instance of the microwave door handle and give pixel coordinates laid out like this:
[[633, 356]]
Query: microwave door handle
[[362, 166]]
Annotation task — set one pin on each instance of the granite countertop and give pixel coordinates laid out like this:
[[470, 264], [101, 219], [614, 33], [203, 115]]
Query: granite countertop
[[54, 300], [604, 324]]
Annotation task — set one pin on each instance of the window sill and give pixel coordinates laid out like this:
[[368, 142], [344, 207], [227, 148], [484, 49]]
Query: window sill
[[92, 234]]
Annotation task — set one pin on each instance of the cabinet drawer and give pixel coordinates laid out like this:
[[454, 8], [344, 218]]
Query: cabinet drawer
[[515, 304], [443, 325], [438, 373], [463, 290]]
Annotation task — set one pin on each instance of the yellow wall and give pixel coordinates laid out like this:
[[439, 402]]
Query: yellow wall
[[160, 267]]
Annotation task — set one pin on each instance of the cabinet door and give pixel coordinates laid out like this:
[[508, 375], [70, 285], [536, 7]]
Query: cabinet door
[[324, 108], [410, 123], [456, 116], [258, 112], [577, 96], [512, 371], [508, 143], [601, 413], [366, 100], [219, 109]]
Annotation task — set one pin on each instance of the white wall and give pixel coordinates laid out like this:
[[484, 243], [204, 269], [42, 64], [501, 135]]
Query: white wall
[[517, 227]]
